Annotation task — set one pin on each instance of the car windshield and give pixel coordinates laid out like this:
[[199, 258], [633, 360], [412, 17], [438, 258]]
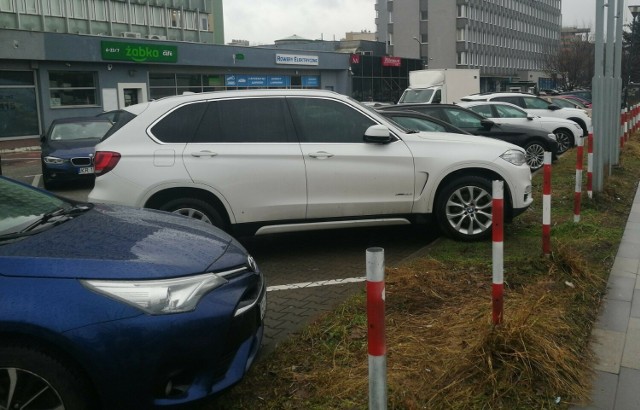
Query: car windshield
[[416, 96], [419, 124], [21, 206], [79, 130]]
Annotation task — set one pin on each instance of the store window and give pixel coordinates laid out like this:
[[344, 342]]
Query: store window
[[18, 107], [72, 88]]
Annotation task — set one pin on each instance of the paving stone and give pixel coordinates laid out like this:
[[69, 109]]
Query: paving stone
[[614, 315], [628, 250], [628, 393], [603, 395], [635, 303], [620, 287], [631, 353], [625, 266], [608, 346]]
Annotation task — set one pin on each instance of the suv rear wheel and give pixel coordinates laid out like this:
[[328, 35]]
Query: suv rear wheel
[[463, 208], [196, 209]]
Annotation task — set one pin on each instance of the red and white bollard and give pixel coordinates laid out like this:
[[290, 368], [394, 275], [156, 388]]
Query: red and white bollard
[[590, 165], [375, 331], [497, 221], [578, 188], [622, 122], [546, 205]]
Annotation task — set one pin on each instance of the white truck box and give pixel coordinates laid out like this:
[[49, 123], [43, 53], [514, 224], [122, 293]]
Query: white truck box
[[447, 85]]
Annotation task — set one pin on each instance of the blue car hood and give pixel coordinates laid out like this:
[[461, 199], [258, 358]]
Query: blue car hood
[[69, 148], [114, 242]]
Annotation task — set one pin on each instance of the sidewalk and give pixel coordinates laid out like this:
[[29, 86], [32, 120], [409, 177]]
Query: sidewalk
[[616, 334], [19, 144]]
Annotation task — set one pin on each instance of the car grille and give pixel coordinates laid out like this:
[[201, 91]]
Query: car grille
[[81, 161]]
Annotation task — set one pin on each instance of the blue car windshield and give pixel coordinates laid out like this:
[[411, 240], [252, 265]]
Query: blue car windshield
[[80, 130], [21, 206]]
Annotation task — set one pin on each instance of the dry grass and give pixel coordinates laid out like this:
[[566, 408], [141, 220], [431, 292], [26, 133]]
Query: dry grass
[[443, 351]]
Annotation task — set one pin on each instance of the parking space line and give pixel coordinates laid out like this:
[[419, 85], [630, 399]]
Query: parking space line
[[315, 284], [36, 180]]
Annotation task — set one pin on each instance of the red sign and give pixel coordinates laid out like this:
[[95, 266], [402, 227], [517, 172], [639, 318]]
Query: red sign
[[355, 58], [391, 61]]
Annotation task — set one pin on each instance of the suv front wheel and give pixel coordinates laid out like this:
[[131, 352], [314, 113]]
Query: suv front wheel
[[463, 208]]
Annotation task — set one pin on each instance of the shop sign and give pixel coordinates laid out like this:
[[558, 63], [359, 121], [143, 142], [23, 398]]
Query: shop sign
[[391, 61], [297, 59], [138, 52], [311, 81], [355, 58], [244, 80]]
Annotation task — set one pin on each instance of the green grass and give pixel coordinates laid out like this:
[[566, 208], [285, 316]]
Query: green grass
[[443, 351]]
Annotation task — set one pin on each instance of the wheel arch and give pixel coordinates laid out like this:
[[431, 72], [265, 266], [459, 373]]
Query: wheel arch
[[161, 197], [582, 125], [478, 172], [52, 345]]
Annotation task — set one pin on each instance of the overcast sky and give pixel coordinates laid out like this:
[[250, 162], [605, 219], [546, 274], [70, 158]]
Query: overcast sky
[[263, 22]]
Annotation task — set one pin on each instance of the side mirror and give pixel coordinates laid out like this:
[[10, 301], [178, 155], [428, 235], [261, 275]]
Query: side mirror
[[378, 134], [553, 107], [487, 124], [530, 117]]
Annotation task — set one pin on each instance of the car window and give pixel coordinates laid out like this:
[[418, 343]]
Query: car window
[[484, 110], [121, 119], [246, 120], [417, 96], [462, 119], [321, 120], [513, 100], [180, 125], [561, 102], [79, 130], [419, 124], [535, 102], [506, 111], [21, 205]]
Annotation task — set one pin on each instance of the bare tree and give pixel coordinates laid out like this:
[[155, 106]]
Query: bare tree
[[572, 64]]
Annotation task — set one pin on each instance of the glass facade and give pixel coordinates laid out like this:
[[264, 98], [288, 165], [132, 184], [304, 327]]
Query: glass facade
[[18, 104], [373, 80]]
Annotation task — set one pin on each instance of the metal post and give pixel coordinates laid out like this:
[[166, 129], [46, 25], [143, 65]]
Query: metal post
[[598, 99], [376, 334]]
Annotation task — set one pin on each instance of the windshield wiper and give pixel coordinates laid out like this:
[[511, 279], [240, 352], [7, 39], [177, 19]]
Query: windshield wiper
[[53, 218]]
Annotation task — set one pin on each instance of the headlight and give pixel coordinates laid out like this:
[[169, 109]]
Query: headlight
[[514, 156], [54, 160], [159, 297]]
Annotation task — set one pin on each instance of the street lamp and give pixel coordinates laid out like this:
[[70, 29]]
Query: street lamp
[[420, 43]]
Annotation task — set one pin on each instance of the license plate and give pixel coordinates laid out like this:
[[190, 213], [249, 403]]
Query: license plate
[[263, 307], [85, 170]]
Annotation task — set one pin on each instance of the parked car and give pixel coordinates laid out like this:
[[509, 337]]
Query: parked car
[[413, 120], [266, 161], [563, 102], [584, 94], [537, 106], [534, 142], [66, 150], [566, 131], [109, 307], [581, 103]]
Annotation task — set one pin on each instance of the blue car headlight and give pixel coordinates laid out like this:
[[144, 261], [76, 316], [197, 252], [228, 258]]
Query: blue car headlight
[[54, 160], [159, 297]]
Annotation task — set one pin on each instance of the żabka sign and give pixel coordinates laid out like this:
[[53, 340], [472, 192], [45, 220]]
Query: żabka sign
[[391, 61], [137, 52], [297, 59]]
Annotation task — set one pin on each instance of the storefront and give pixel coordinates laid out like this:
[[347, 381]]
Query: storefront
[[45, 76]]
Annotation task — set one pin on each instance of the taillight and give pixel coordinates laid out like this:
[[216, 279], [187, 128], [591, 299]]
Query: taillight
[[105, 161]]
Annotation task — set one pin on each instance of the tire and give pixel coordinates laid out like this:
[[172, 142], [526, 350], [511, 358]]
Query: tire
[[463, 209], [196, 209], [565, 139], [27, 373], [534, 154]]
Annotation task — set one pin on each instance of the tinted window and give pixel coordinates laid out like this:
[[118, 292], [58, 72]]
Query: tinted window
[[484, 110], [505, 111], [534, 102], [246, 120], [563, 103], [180, 125], [418, 124], [319, 120], [462, 119], [512, 100]]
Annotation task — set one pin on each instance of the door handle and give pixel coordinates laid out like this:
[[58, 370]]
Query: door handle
[[204, 153], [321, 155]]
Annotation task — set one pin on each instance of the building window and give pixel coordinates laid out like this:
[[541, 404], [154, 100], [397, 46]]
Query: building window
[[424, 15], [175, 16], [72, 88]]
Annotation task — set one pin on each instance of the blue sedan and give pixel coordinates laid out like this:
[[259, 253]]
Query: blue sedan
[[116, 308], [68, 147]]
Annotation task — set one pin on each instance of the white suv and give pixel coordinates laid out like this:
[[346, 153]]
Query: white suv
[[267, 161], [537, 106]]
